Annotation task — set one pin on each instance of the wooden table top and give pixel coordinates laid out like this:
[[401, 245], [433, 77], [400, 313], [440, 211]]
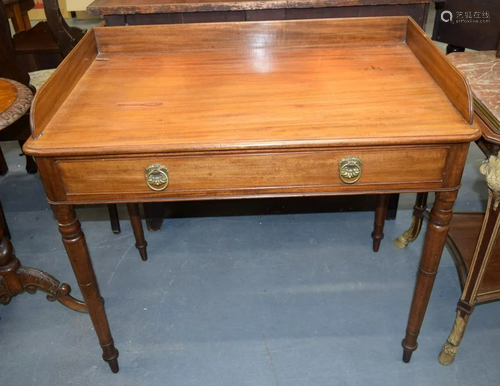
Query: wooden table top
[[113, 7], [343, 82], [482, 70], [15, 100]]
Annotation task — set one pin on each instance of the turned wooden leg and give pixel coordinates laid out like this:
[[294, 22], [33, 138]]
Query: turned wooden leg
[[378, 226], [76, 248], [114, 219], [135, 219], [412, 233], [484, 249], [439, 223]]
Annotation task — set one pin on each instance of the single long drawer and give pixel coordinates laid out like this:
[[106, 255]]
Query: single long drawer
[[241, 174]]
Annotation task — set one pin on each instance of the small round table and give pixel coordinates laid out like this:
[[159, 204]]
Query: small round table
[[15, 101]]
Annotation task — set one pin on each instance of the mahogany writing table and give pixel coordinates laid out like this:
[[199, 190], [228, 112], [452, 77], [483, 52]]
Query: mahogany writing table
[[254, 109], [143, 12]]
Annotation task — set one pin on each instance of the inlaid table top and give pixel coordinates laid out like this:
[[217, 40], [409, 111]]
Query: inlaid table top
[[15, 100]]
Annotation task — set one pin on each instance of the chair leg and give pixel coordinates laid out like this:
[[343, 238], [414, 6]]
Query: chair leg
[[380, 215], [412, 233], [135, 219], [3, 164], [113, 218]]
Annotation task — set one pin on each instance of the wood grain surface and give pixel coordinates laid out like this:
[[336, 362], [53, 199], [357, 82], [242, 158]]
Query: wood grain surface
[[257, 85], [451, 81], [202, 176], [55, 91], [111, 7], [8, 95]]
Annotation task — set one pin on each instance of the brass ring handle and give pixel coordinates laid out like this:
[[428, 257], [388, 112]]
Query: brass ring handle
[[157, 177], [350, 169]]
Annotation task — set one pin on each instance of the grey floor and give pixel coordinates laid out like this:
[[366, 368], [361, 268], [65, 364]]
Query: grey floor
[[250, 300], [253, 300]]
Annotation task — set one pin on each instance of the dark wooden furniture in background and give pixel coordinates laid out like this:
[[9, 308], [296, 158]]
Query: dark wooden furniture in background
[[141, 12], [20, 129], [165, 141], [15, 101], [46, 44], [11, 69], [474, 24], [17, 12], [473, 237]]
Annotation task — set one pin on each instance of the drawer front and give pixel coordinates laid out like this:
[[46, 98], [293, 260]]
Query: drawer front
[[289, 172]]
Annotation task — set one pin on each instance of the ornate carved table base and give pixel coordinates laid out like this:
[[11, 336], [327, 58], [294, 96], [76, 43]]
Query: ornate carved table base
[[484, 248], [16, 279]]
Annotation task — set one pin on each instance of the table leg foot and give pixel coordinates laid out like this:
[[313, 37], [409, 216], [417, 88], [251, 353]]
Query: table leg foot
[[447, 354], [380, 215], [407, 352], [450, 348], [78, 254], [412, 233], [112, 360], [437, 230], [135, 220]]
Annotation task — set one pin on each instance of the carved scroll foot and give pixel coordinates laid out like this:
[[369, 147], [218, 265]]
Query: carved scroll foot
[[34, 280], [408, 236], [412, 233], [16, 279], [450, 348]]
